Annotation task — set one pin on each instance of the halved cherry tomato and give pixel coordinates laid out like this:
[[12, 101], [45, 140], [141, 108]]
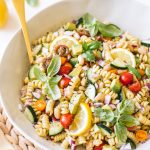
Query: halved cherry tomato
[[135, 87], [40, 105], [142, 72], [66, 120], [141, 135], [126, 78], [68, 64], [100, 147], [65, 69], [64, 82], [132, 128], [63, 60]]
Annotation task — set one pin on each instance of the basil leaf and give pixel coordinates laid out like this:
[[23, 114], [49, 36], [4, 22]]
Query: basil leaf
[[54, 66], [104, 114], [126, 107], [93, 29], [89, 56], [53, 91], [32, 2], [134, 71], [109, 30], [128, 120], [55, 80], [121, 132], [39, 74], [94, 45], [85, 46], [88, 20]]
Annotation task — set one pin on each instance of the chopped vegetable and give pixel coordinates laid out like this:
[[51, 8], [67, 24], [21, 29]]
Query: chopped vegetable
[[40, 105], [63, 60], [134, 71], [64, 82], [70, 26], [147, 71], [115, 86], [126, 78], [135, 87], [141, 72], [66, 120], [141, 135]]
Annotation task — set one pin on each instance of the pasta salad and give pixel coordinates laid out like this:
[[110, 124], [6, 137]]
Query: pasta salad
[[89, 86]]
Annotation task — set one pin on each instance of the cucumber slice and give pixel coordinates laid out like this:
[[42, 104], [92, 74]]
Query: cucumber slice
[[31, 72], [133, 145], [134, 71], [55, 128], [75, 101], [90, 91], [76, 71], [74, 61], [105, 130], [117, 63], [30, 113], [115, 86], [146, 43], [147, 71], [89, 76]]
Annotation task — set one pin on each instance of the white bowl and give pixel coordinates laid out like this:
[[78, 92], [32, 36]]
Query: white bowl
[[131, 15]]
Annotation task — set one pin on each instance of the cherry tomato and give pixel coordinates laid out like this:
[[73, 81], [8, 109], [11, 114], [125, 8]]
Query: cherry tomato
[[63, 60], [126, 78], [135, 87], [68, 64], [65, 70], [100, 147], [40, 105], [64, 82], [132, 128], [66, 120]]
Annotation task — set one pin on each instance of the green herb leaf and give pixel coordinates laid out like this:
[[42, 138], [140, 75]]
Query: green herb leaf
[[89, 56], [121, 132], [94, 45], [126, 107], [33, 2], [109, 30], [55, 80], [54, 66], [85, 46], [93, 29], [88, 20], [39, 74], [53, 91], [104, 114], [134, 71], [128, 120], [133, 145]]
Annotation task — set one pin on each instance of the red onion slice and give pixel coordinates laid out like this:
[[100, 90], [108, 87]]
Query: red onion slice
[[107, 99]]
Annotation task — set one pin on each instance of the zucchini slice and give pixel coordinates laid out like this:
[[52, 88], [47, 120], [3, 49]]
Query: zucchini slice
[[55, 128], [104, 129], [146, 43], [30, 113], [117, 63], [31, 71], [90, 91]]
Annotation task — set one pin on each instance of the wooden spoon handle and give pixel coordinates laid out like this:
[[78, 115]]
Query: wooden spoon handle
[[20, 9]]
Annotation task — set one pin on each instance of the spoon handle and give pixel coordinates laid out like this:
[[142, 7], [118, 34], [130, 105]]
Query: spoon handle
[[20, 9]]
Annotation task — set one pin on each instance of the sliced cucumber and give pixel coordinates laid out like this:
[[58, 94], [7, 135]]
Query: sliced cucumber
[[75, 101], [134, 71], [105, 130], [31, 71], [119, 64], [147, 71], [115, 86], [90, 91], [90, 76], [74, 61], [76, 71], [30, 113], [55, 128], [133, 145], [146, 43]]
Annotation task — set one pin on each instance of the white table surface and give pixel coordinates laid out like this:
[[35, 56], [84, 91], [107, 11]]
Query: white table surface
[[6, 34]]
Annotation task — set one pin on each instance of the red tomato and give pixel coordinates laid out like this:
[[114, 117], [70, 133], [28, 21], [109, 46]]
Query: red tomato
[[66, 120], [65, 69], [68, 64], [126, 78], [100, 147], [64, 82], [132, 128], [135, 87]]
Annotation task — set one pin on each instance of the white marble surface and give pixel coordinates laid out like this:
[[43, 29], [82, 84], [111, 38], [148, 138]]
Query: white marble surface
[[6, 34]]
